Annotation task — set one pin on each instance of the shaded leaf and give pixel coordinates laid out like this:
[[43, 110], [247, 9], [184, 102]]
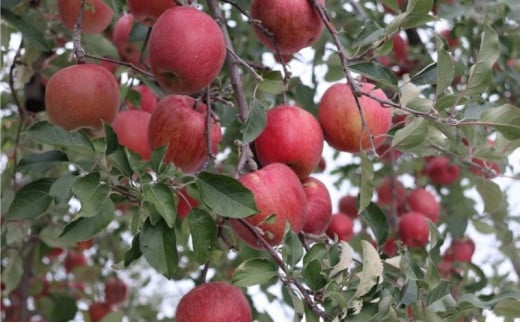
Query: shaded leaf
[[255, 124], [91, 192], [255, 271], [159, 247], [411, 135], [505, 118], [162, 198], [85, 228], [45, 133], [377, 221], [34, 36], [203, 233], [31, 200], [372, 269], [376, 72], [312, 275]]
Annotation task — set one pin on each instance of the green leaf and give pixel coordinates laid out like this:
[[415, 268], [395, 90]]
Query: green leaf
[[508, 308], [367, 176], [34, 36], [376, 72], [225, 195], [162, 198], [255, 124], [505, 118], [255, 271], [92, 193], [85, 228], [51, 156], [159, 247], [203, 234], [312, 275], [346, 257], [372, 269], [45, 133], [292, 249], [272, 82], [31, 200], [99, 44], [377, 221], [472, 300], [12, 274], [427, 76], [445, 70], [411, 135], [134, 253], [318, 251], [120, 161], [156, 160], [491, 193], [417, 13], [408, 293], [61, 189], [110, 139], [64, 308]]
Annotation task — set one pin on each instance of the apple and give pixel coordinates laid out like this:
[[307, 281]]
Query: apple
[[126, 49], [445, 268], [147, 99], [390, 247], [480, 163], [82, 96], [348, 205], [54, 253], [147, 12], [423, 201], [322, 164], [341, 227], [386, 153], [98, 310], [447, 34], [131, 127], [115, 291], [180, 122], [294, 24], [441, 171], [341, 121], [185, 203], [84, 245], [319, 206], [400, 47], [74, 259], [291, 136], [187, 50], [461, 250], [413, 229], [389, 188], [277, 191], [214, 302], [96, 16]]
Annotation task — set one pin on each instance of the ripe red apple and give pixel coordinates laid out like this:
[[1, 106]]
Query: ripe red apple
[[400, 47], [126, 49], [82, 96], [413, 229], [450, 39], [115, 291], [74, 259], [54, 253], [389, 188], [441, 171], [96, 16], [480, 163], [187, 50], [185, 203], [341, 122], [84, 245], [147, 12], [180, 122], [214, 302], [423, 201], [131, 127], [390, 247], [319, 206], [277, 190], [348, 205], [292, 136], [294, 24], [148, 99], [322, 164], [97, 311], [341, 226], [461, 250]]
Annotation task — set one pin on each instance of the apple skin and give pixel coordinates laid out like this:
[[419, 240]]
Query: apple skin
[[148, 99], [185, 203], [461, 250], [295, 24], [127, 50], [95, 19], [115, 291], [98, 310], [475, 170], [400, 47], [292, 136], [74, 259], [413, 229], [450, 39], [319, 206], [341, 226], [390, 247], [180, 122], [146, 12], [348, 205], [131, 127], [341, 122], [214, 302], [385, 195], [423, 201], [441, 172], [82, 96], [187, 50], [277, 190]]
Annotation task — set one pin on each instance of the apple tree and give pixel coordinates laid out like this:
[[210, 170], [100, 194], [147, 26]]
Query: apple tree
[[344, 159]]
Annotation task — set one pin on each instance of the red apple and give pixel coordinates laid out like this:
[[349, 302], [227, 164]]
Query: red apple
[[185, 203], [294, 24], [341, 122], [341, 227], [386, 153], [98, 310], [82, 96], [126, 49], [479, 164], [54, 253], [441, 171], [214, 302], [461, 250], [131, 127], [319, 206], [180, 122], [147, 12], [423, 201], [74, 259], [322, 164], [96, 16], [348, 205], [400, 47], [187, 50], [84, 245], [390, 247], [115, 291], [447, 34], [413, 229], [292, 136], [148, 99], [389, 189], [277, 191]]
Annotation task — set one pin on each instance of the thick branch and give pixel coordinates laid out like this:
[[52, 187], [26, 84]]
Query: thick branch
[[79, 52]]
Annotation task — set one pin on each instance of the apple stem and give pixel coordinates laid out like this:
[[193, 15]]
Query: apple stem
[[78, 51]]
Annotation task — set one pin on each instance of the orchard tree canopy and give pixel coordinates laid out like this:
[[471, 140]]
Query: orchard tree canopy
[[342, 160]]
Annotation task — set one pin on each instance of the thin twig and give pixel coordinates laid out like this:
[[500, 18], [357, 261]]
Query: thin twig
[[78, 51], [250, 68], [119, 62]]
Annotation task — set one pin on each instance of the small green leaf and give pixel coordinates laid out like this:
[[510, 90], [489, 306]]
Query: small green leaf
[[255, 124], [445, 70], [312, 275], [367, 176], [417, 13], [491, 193], [99, 44], [472, 300], [91, 192], [318, 251], [225, 195], [52, 156], [31, 200], [505, 118], [377, 221], [292, 249], [411, 135], [409, 293], [64, 308], [376, 72], [85, 228], [34, 36], [134, 253], [159, 247], [45, 133], [346, 257], [426, 76], [203, 233], [162, 198], [255, 271], [110, 139], [372, 269], [12, 274], [272, 82], [156, 160], [61, 189]]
